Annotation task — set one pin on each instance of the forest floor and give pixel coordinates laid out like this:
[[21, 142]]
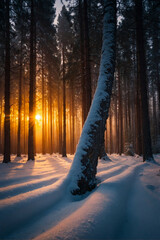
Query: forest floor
[[35, 202]]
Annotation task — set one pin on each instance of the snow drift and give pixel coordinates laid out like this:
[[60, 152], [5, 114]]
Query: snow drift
[[36, 201]]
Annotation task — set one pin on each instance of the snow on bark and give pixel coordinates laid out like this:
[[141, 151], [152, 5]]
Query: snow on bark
[[84, 167]]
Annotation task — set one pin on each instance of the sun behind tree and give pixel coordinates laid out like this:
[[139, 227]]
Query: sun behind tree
[[38, 117]]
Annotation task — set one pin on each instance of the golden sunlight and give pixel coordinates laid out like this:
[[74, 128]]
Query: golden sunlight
[[38, 117]]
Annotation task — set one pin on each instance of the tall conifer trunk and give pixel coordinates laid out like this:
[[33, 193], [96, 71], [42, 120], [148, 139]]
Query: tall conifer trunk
[[87, 72], [110, 130], [72, 113], [120, 114], [20, 94], [1, 145], [43, 110], [7, 85], [64, 107], [59, 121], [85, 59], [19, 107], [31, 138], [138, 115], [141, 62], [82, 58], [116, 120], [84, 167], [50, 117], [155, 53]]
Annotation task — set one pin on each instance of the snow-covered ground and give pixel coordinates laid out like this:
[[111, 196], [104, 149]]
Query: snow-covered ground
[[35, 201]]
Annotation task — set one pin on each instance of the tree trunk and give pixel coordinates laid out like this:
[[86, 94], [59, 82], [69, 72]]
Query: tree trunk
[[129, 111], [24, 84], [116, 119], [1, 114], [87, 73], [138, 122], [72, 113], [31, 140], [141, 62], [20, 102], [43, 110], [155, 130], [7, 87], [84, 165], [156, 52], [50, 113], [82, 58], [120, 116], [64, 109], [110, 130], [59, 120]]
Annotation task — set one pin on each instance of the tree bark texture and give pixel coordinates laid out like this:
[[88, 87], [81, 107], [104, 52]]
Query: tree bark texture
[[141, 63], [64, 109], [82, 58], [43, 110], [138, 116], [59, 121], [31, 140], [87, 95], [7, 87], [120, 114], [50, 117], [20, 98], [84, 167]]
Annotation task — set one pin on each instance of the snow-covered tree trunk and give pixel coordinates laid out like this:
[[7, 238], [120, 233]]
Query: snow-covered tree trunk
[[84, 167]]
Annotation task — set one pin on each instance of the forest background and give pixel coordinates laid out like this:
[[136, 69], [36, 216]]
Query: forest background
[[49, 71]]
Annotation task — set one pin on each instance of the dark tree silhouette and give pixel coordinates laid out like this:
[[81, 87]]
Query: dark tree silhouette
[[86, 85], [7, 85], [31, 139], [142, 77]]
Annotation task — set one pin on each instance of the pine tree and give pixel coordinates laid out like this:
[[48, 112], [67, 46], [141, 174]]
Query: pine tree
[[20, 27], [31, 138], [7, 85], [86, 84], [64, 37], [84, 165], [47, 46], [141, 62]]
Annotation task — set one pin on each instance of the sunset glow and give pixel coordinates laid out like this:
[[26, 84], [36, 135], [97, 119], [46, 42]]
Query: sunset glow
[[38, 117]]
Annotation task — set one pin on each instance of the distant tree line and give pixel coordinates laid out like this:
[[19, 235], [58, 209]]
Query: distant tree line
[[51, 69]]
